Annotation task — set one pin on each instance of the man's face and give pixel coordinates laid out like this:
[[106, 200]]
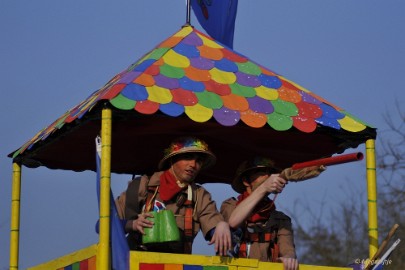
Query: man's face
[[187, 166], [257, 177]]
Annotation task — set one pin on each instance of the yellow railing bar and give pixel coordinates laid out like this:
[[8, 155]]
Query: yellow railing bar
[[15, 216], [103, 258], [372, 197]]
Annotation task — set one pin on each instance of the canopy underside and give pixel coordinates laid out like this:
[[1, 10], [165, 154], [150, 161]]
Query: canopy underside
[[138, 142]]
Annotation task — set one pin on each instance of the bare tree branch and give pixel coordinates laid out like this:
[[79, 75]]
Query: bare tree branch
[[337, 239]]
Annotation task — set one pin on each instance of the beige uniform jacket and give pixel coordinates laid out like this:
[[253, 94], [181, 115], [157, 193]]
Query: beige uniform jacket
[[205, 213], [261, 251]]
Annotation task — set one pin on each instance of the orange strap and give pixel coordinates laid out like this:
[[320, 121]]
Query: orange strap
[[275, 251], [242, 250], [188, 227], [188, 219]]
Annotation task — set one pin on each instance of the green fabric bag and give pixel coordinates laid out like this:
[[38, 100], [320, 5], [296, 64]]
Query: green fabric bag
[[164, 230]]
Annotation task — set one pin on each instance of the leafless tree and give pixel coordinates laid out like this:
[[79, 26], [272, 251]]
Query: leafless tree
[[391, 195], [342, 236]]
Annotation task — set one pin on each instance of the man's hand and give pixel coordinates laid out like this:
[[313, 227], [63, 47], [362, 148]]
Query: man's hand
[[274, 184], [142, 222], [289, 263], [222, 238]]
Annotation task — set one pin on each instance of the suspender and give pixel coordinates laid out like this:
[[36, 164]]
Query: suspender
[[263, 237], [275, 252], [188, 226]]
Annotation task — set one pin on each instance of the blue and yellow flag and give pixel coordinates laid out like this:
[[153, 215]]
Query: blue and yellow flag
[[217, 17]]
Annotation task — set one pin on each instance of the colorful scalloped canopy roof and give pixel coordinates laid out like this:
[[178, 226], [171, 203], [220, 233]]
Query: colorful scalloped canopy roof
[[191, 74]]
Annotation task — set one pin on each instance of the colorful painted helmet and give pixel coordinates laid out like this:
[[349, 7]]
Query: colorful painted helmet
[[187, 145]]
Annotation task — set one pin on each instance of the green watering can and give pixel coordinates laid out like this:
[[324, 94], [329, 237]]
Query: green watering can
[[164, 229]]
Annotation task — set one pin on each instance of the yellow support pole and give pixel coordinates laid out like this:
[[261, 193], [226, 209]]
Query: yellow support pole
[[103, 258], [15, 216], [372, 197]]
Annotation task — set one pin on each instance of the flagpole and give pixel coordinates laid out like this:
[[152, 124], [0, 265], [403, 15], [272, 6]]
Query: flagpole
[[188, 20]]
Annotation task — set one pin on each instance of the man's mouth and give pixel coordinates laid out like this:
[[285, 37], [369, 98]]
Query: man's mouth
[[190, 172]]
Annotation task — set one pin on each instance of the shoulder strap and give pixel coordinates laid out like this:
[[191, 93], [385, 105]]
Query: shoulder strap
[[150, 198], [188, 220]]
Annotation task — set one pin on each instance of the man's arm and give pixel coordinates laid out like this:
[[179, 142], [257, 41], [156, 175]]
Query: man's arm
[[227, 207], [128, 210], [287, 250], [212, 221], [272, 184], [120, 205], [285, 241], [138, 222], [222, 238]]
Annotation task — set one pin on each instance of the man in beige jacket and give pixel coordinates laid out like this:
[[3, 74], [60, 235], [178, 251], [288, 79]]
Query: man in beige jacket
[[173, 188], [265, 234]]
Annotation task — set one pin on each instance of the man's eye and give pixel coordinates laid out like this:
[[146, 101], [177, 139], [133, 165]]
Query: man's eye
[[188, 156]]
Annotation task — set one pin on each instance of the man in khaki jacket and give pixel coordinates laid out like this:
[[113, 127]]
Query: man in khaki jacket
[[266, 234], [173, 188]]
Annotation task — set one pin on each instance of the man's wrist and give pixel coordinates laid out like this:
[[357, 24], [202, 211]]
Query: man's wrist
[[263, 192], [129, 225]]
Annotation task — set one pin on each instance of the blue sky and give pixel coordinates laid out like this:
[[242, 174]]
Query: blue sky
[[53, 54]]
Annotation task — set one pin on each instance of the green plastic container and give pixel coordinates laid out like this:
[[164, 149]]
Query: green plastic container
[[152, 234], [164, 230]]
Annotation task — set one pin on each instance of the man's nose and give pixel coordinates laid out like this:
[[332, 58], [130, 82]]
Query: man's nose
[[193, 162]]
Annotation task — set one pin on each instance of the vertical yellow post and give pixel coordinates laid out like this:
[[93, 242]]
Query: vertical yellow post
[[103, 258], [15, 216], [372, 197]]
